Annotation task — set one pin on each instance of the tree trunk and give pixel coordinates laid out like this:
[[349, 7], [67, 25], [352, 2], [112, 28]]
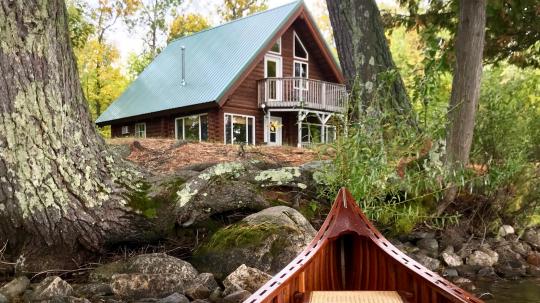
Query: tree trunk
[[60, 190], [465, 87], [365, 58]]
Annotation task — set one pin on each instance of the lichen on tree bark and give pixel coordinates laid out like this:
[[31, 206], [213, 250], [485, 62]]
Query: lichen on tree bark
[[59, 186]]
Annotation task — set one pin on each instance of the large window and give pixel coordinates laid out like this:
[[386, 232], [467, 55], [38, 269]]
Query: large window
[[192, 128], [239, 129], [140, 130], [276, 48], [299, 50]]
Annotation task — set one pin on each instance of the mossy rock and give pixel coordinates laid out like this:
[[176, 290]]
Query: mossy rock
[[241, 236], [104, 272], [266, 240]]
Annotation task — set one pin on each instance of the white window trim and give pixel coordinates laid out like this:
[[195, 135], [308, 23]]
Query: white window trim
[[303, 46], [279, 74], [278, 42], [125, 129], [277, 59], [239, 115], [137, 131], [184, 126]]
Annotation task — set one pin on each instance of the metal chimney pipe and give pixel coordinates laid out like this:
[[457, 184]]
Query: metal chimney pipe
[[183, 65]]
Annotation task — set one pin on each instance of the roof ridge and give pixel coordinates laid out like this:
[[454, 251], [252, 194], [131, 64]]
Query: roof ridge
[[235, 20]]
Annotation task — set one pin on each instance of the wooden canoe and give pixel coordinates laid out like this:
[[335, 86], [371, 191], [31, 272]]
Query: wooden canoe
[[350, 254]]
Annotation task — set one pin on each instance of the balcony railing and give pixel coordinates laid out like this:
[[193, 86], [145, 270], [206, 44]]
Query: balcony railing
[[303, 93]]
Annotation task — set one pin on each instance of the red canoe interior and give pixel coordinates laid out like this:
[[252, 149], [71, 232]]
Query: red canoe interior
[[349, 253]]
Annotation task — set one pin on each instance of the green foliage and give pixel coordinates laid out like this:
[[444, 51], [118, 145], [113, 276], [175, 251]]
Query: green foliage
[[102, 80], [184, 25], [512, 27], [79, 28], [395, 173], [234, 9], [137, 63], [508, 120], [152, 18]]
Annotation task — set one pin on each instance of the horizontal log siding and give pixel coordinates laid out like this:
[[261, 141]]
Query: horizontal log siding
[[164, 126]]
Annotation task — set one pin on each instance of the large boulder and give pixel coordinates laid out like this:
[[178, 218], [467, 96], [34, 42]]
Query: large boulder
[[52, 287], [216, 190], [450, 258], [136, 286], [157, 263], [484, 257], [266, 240], [150, 275], [532, 237], [15, 288], [244, 278]]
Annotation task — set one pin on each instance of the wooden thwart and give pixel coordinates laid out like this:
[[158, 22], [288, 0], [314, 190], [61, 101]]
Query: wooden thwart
[[354, 297]]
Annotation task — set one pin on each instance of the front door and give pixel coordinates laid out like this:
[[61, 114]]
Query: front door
[[273, 72], [275, 131]]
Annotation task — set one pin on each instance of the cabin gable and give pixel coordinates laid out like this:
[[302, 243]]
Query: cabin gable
[[243, 99]]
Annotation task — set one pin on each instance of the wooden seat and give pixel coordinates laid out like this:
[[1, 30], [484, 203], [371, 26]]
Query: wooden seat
[[354, 297]]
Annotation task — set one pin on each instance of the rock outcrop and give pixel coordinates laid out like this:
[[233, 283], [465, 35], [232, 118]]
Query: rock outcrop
[[266, 240]]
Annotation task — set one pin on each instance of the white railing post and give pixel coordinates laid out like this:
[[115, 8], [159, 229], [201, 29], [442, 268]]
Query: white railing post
[[323, 92]]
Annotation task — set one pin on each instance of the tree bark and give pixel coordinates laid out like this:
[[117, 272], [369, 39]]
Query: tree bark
[[365, 57], [465, 88], [60, 190]]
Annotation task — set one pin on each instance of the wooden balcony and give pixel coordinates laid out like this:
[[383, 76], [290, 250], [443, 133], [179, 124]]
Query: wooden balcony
[[302, 93]]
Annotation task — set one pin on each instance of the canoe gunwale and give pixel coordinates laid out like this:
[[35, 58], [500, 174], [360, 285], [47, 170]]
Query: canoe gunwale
[[353, 221]]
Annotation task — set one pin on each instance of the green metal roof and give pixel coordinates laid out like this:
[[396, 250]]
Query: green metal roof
[[215, 58]]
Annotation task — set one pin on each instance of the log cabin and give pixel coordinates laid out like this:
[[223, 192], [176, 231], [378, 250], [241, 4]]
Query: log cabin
[[268, 78]]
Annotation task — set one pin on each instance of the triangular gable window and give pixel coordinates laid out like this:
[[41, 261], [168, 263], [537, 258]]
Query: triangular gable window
[[299, 50]]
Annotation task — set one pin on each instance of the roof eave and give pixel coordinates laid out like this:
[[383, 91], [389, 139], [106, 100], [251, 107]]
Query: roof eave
[[194, 107]]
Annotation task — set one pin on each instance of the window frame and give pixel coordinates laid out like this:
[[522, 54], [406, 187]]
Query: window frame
[[279, 65], [280, 47], [294, 76], [295, 36], [184, 126], [253, 132], [125, 130], [137, 131]]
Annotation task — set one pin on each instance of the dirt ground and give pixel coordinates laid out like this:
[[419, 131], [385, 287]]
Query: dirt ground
[[168, 155]]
